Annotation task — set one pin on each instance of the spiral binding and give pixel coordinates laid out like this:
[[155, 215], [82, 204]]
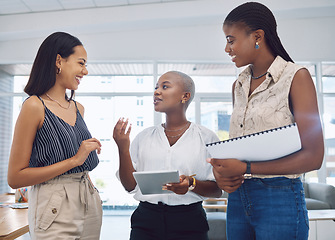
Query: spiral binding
[[251, 135]]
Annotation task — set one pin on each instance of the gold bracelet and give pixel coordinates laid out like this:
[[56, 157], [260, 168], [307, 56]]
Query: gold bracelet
[[190, 188]]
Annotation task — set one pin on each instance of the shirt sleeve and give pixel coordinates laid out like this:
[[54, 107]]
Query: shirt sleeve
[[134, 151], [208, 136]]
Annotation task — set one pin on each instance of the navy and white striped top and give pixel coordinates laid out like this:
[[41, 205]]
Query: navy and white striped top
[[57, 140]]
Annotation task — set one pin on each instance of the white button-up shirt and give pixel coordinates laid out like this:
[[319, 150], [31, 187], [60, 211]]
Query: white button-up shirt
[[151, 151]]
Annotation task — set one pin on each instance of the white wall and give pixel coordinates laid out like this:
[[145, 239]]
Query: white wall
[[189, 30]]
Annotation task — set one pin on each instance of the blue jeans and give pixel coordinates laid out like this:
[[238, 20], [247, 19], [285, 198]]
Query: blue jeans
[[269, 209]]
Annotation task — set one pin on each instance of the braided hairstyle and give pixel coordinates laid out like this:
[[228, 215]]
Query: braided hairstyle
[[256, 16]]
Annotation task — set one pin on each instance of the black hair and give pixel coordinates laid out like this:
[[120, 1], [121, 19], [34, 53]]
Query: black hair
[[44, 70], [256, 16]]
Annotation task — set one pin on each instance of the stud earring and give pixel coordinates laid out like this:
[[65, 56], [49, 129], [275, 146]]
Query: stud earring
[[59, 70], [183, 101], [257, 46]]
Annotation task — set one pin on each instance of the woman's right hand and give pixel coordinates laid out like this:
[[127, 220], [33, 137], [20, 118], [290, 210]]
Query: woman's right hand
[[121, 136], [228, 173], [86, 147]]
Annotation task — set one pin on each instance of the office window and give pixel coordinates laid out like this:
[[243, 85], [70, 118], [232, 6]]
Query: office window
[[115, 84], [215, 115], [101, 115], [140, 123], [6, 86], [139, 80], [328, 78], [139, 102], [107, 98], [328, 83], [329, 134]]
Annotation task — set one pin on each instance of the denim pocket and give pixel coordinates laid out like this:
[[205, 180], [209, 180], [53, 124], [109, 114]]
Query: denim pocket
[[51, 211], [275, 183]]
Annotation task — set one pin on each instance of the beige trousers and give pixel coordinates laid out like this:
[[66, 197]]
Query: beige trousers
[[66, 207]]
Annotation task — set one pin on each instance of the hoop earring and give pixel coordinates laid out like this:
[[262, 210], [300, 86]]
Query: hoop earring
[[257, 46], [59, 70]]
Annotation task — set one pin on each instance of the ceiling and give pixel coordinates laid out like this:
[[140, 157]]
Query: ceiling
[[13, 8], [8, 7]]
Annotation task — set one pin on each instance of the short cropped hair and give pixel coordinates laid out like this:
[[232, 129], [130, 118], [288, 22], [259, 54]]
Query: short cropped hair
[[188, 84]]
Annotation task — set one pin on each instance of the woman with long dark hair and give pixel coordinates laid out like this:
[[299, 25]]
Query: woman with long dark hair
[[52, 149]]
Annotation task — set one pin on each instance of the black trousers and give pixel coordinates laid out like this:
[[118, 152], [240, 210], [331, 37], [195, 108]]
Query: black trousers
[[164, 222]]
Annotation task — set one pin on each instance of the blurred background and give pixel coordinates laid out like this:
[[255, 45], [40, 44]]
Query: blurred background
[[130, 43]]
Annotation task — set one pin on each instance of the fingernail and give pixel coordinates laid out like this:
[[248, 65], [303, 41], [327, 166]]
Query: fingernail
[[168, 184]]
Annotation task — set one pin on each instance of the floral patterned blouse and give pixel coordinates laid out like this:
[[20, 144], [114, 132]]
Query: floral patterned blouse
[[267, 106]]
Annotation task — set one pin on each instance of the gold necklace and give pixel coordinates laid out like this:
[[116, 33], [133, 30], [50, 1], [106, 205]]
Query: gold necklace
[[178, 135], [175, 136], [57, 102], [163, 125]]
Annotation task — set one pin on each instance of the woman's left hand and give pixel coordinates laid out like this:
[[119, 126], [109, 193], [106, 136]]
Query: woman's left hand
[[228, 167], [180, 188]]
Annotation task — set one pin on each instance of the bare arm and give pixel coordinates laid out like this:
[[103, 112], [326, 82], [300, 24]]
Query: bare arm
[[207, 189], [126, 169], [29, 121], [304, 105], [305, 109], [203, 188]]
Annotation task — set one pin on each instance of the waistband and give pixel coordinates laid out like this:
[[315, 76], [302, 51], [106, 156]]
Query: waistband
[[291, 176], [85, 185], [68, 178], [175, 208]]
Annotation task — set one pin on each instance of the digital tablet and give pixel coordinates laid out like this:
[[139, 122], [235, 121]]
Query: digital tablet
[[151, 182]]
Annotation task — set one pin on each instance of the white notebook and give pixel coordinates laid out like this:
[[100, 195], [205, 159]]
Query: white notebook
[[151, 182], [261, 146]]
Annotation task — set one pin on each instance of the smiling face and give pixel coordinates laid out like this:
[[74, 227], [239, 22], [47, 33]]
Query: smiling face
[[169, 93], [240, 44], [73, 68]]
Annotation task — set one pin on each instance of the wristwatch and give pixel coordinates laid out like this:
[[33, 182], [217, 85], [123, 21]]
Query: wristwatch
[[192, 186], [247, 174]]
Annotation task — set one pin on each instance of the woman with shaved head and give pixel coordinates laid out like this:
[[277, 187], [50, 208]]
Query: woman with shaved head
[[176, 144]]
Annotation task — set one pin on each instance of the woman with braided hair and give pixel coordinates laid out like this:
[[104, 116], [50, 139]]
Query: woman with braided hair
[[272, 91]]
